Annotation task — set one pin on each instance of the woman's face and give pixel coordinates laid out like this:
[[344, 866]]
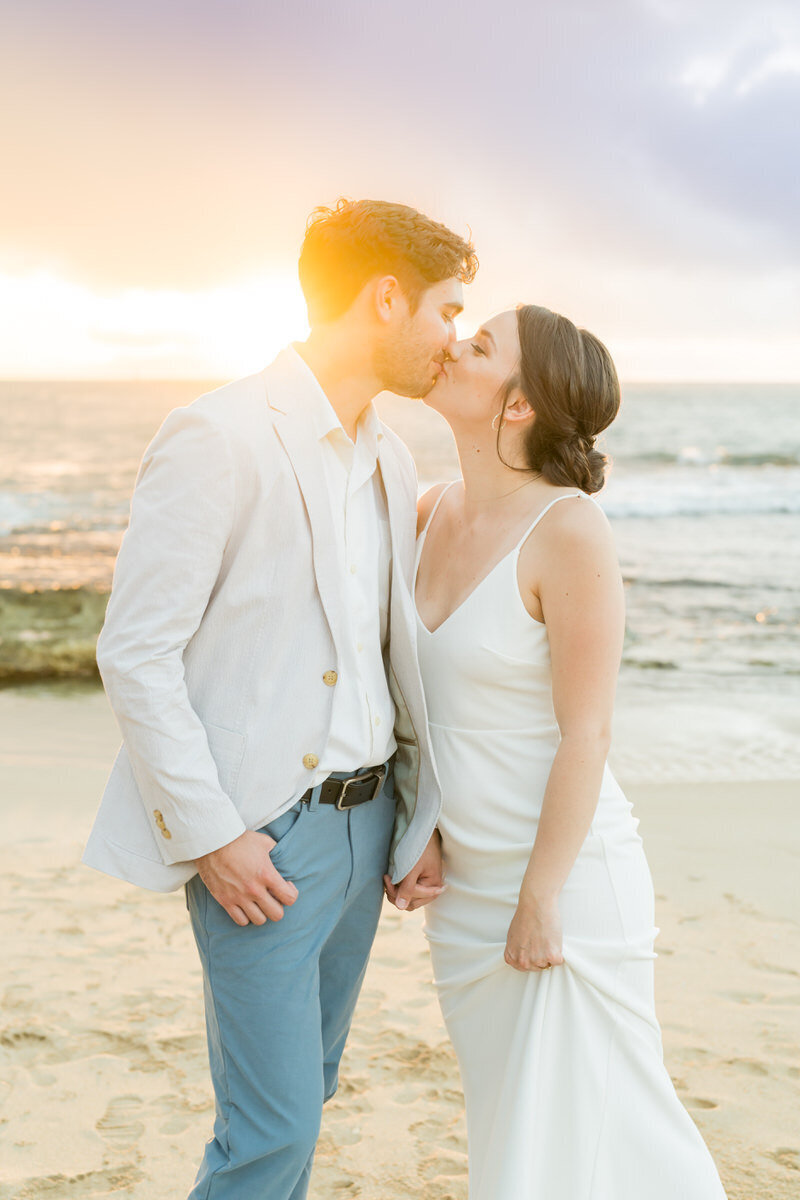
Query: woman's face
[[469, 390]]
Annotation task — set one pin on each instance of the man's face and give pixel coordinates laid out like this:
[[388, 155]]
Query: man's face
[[409, 358]]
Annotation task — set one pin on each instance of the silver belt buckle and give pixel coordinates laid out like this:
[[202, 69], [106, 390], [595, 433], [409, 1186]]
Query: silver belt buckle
[[379, 774]]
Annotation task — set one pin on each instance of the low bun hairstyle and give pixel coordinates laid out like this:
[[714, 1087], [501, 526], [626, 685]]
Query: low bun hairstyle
[[568, 378]]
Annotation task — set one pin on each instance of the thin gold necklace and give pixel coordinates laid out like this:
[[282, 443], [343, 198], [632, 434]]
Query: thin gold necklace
[[519, 488]]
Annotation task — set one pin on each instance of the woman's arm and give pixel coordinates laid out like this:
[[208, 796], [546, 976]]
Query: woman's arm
[[572, 570]]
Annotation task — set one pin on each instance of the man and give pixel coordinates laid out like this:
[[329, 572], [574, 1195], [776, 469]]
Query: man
[[259, 654]]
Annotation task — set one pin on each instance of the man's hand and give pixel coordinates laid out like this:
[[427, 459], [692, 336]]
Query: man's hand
[[423, 883], [241, 877]]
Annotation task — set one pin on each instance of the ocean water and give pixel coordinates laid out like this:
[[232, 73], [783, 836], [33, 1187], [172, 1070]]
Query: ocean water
[[703, 495]]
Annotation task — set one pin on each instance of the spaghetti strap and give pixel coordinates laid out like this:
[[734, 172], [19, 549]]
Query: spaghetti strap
[[546, 509], [432, 513]]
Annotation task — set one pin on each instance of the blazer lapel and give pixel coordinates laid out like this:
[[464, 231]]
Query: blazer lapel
[[402, 527], [402, 515], [304, 454]]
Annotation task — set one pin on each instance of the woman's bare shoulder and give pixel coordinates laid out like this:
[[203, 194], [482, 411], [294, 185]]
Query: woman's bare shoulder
[[579, 516], [576, 528]]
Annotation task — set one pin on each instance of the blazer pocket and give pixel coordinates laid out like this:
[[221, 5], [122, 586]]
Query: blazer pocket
[[227, 749]]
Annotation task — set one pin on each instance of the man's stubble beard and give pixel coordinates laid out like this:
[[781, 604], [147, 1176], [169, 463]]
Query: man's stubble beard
[[403, 367]]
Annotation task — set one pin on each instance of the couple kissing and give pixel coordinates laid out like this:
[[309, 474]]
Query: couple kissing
[[332, 694]]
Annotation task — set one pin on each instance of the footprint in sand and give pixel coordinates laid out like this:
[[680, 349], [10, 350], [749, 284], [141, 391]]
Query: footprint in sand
[[440, 1164], [119, 1125], [352, 1093], [436, 1132], [744, 997], [417, 1059], [436, 1190], [776, 968], [346, 1134], [786, 1157], [89, 1185], [751, 1065]]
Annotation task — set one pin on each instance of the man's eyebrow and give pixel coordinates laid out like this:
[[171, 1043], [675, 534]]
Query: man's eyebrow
[[485, 333]]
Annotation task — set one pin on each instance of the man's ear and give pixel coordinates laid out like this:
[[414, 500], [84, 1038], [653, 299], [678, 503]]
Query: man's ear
[[518, 408], [388, 298]]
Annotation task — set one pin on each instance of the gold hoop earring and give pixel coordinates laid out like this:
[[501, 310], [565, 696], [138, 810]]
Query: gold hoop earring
[[502, 423]]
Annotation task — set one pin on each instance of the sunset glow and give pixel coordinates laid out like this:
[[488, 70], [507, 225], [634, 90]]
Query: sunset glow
[[635, 171], [58, 329]]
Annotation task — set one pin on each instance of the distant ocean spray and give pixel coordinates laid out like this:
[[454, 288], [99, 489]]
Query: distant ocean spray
[[703, 495]]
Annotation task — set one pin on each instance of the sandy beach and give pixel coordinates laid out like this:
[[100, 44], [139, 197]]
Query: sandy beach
[[105, 1090]]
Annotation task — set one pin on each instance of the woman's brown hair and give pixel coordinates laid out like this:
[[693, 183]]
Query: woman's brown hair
[[567, 376]]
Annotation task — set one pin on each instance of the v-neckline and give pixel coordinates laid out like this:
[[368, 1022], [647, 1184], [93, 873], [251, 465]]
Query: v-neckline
[[514, 550], [460, 605]]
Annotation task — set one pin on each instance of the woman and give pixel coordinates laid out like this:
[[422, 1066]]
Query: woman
[[542, 941]]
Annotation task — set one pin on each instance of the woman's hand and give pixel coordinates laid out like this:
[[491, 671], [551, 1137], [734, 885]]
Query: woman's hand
[[534, 937], [423, 883]]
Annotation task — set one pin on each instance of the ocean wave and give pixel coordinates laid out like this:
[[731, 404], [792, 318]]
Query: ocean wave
[[698, 506], [681, 492], [683, 582], [693, 456]]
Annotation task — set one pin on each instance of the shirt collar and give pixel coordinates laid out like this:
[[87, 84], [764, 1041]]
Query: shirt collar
[[320, 411]]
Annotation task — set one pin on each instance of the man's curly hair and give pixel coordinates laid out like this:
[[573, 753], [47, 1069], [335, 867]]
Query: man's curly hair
[[346, 246]]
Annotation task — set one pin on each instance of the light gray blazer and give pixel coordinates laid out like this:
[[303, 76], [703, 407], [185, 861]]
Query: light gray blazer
[[225, 614]]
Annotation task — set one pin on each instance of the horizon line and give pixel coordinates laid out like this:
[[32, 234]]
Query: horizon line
[[222, 380]]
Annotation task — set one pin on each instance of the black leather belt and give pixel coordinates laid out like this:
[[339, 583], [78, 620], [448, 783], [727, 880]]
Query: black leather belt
[[351, 791]]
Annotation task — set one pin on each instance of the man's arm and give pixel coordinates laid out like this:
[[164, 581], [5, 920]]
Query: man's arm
[[182, 514]]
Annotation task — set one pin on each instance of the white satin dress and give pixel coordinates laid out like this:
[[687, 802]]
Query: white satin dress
[[567, 1096]]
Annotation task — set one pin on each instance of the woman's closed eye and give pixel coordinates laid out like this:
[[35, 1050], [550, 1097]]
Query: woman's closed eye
[[478, 349]]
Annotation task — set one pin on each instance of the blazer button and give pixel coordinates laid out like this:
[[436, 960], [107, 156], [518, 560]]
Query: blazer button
[[159, 816], [330, 678], [310, 761], [165, 832]]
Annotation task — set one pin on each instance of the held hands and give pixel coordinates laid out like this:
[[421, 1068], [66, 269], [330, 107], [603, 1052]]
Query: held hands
[[241, 877], [423, 883], [534, 936]]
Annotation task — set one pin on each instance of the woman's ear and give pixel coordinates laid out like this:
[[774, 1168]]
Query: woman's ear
[[518, 408]]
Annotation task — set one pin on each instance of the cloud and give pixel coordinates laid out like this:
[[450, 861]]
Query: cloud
[[173, 141], [611, 154]]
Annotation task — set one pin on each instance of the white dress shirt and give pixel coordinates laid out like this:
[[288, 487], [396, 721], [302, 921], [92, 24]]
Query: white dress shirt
[[362, 723]]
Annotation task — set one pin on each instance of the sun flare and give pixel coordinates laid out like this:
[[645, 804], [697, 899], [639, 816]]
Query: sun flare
[[58, 329]]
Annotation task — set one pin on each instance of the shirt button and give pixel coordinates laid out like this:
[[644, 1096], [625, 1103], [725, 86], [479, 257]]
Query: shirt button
[[377, 720], [310, 761], [330, 678], [359, 647], [353, 568]]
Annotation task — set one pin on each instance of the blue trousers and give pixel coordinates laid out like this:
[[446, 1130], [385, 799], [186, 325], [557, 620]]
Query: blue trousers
[[279, 997]]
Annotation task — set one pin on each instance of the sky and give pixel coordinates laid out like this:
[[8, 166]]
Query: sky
[[634, 164]]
